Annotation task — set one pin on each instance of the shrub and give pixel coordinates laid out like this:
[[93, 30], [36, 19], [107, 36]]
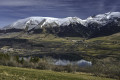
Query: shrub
[[43, 65], [108, 67]]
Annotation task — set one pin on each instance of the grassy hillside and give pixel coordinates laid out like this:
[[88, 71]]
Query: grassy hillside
[[13, 73]]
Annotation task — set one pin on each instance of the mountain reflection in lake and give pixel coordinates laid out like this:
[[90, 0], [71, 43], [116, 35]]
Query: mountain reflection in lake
[[60, 62], [80, 63]]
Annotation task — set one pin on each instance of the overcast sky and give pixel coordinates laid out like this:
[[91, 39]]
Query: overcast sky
[[12, 10]]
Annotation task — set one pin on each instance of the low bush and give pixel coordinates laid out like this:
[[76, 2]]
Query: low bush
[[106, 67]]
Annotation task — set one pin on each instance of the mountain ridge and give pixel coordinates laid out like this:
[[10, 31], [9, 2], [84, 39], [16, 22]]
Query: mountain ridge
[[93, 26]]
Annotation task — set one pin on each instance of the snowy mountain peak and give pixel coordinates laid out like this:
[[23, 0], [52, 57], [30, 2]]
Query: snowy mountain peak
[[33, 22], [39, 22], [101, 19], [108, 15]]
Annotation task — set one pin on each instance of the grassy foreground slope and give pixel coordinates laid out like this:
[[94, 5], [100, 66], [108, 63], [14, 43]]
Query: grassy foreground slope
[[12, 73]]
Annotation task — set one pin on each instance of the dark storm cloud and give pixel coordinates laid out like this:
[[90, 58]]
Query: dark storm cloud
[[12, 10]]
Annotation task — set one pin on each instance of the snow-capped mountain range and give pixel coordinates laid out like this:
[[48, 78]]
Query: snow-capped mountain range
[[32, 22], [98, 21]]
